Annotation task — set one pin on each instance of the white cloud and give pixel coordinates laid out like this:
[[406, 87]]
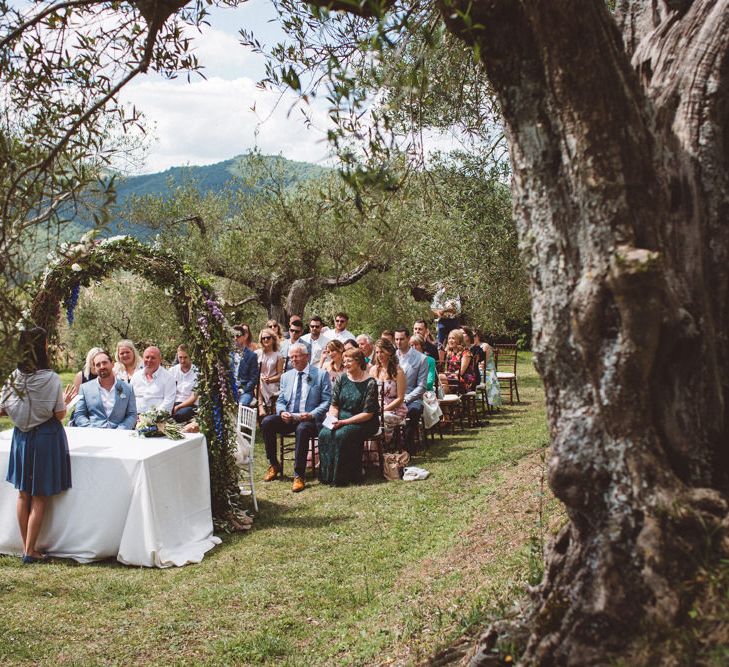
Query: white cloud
[[207, 121]]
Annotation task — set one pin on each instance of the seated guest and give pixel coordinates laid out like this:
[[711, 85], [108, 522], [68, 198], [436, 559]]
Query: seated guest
[[185, 376], [331, 360], [292, 319], [247, 375], [153, 386], [417, 342], [429, 346], [415, 367], [296, 329], [340, 332], [106, 402], [128, 360], [354, 409], [476, 352], [493, 389], [300, 408], [271, 367], [389, 334], [351, 344], [316, 339], [391, 378], [365, 344], [87, 373], [459, 373]]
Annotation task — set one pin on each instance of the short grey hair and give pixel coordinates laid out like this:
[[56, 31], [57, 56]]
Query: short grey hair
[[300, 347], [367, 337]]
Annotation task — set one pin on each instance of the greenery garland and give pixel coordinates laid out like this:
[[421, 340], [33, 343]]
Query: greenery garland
[[205, 330]]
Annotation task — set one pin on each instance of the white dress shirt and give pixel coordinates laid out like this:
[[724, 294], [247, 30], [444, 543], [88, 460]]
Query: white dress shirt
[[342, 336], [185, 382], [317, 346], [305, 384], [159, 392], [107, 398]]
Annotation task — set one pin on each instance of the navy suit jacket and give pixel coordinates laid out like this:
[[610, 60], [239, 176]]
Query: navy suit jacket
[[318, 398], [90, 410], [248, 371]]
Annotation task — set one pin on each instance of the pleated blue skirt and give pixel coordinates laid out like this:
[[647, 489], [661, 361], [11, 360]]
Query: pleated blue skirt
[[39, 460]]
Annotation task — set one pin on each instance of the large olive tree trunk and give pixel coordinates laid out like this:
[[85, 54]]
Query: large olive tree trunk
[[619, 135]]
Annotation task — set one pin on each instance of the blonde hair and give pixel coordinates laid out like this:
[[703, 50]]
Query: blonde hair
[[270, 324], [274, 338], [90, 359], [458, 335]]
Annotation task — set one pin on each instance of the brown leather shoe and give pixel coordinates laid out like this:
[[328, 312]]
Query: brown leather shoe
[[271, 473], [298, 485]]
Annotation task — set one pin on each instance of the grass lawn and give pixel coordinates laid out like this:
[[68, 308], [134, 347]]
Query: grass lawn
[[381, 573]]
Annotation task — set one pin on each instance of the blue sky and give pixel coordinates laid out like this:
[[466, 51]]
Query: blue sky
[[206, 121]]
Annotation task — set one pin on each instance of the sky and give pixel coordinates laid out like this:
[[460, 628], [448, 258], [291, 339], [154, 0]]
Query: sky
[[209, 120]]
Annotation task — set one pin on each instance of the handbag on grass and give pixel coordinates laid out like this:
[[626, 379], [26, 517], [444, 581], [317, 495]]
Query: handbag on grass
[[393, 465]]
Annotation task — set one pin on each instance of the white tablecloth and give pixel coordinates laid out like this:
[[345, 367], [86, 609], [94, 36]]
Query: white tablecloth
[[145, 501]]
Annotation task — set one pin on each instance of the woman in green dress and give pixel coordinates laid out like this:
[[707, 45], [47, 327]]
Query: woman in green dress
[[353, 413]]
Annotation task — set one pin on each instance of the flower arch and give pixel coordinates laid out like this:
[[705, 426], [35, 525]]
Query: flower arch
[[205, 329]]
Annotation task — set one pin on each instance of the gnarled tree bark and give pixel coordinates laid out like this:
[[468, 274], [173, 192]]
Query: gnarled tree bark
[[618, 131]]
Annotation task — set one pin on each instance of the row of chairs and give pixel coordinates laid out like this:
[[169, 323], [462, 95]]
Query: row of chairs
[[455, 408]]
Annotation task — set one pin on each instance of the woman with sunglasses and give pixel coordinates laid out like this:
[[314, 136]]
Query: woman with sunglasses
[[276, 328], [272, 364]]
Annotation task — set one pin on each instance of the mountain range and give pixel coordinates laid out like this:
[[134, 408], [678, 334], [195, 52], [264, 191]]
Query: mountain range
[[207, 178]]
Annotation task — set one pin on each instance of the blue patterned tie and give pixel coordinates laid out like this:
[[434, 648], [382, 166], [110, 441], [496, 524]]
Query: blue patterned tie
[[297, 395]]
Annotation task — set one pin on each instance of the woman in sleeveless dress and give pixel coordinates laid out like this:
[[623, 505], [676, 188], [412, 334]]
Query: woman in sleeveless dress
[[391, 378], [40, 464], [271, 368], [460, 374], [354, 411]]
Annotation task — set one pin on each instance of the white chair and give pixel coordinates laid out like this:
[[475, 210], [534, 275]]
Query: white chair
[[245, 437]]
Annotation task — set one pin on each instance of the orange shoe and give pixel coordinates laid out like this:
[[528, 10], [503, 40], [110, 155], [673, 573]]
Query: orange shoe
[[271, 473], [298, 485]]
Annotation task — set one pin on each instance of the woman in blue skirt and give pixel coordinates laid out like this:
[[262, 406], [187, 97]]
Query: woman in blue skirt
[[40, 465]]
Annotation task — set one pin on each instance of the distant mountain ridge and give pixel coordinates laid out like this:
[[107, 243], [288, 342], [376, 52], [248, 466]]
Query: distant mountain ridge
[[207, 177]]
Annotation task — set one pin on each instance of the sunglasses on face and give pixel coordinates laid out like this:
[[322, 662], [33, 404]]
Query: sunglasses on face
[[340, 321], [265, 337]]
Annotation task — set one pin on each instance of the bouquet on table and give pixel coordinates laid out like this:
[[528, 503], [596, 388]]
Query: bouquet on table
[[157, 423]]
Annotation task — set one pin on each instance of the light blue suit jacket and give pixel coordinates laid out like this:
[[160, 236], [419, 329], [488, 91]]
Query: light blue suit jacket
[[90, 410], [318, 398]]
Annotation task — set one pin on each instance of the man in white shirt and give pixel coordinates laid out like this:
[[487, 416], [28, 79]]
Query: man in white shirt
[[340, 332], [154, 387], [296, 328], [316, 338], [185, 375]]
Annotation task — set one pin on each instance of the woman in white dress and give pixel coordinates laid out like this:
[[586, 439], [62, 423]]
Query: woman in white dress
[[272, 364]]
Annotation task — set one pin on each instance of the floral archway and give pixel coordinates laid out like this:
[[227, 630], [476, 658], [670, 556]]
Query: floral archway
[[205, 331]]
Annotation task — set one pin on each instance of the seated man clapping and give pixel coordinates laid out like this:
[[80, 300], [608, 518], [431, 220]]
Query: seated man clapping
[[105, 402]]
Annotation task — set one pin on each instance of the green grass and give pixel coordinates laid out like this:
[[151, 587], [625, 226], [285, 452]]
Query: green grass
[[358, 575]]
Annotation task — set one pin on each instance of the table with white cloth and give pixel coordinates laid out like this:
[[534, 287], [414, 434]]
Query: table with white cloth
[[144, 501]]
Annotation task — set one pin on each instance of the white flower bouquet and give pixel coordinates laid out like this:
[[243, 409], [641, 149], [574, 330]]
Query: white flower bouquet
[[157, 423]]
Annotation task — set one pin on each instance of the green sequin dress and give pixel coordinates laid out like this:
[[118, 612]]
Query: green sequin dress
[[340, 451]]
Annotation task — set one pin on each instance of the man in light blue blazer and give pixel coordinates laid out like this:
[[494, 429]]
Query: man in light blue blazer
[[301, 407], [105, 402]]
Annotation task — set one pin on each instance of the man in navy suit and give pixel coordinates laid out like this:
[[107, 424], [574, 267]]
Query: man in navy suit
[[247, 376], [105, 402], [301, 407]]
